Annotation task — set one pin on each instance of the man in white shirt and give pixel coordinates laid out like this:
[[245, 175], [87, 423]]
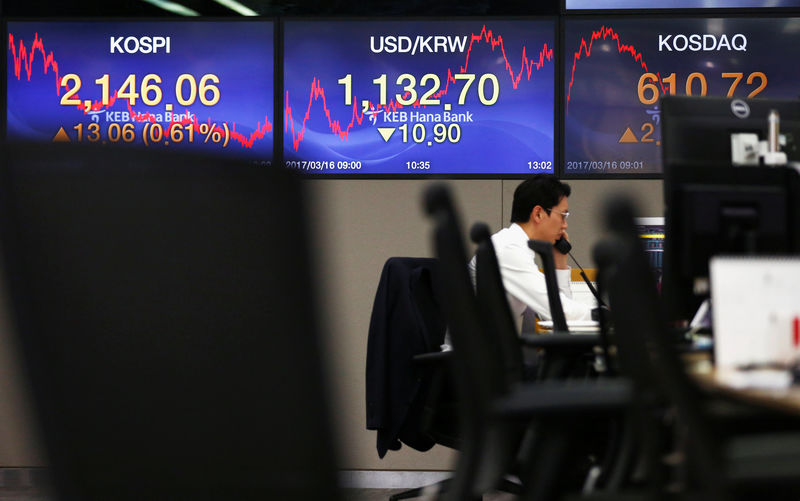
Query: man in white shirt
[[539, 212]]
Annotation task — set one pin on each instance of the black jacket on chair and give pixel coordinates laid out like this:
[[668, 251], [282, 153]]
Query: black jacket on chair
[[407, 320]]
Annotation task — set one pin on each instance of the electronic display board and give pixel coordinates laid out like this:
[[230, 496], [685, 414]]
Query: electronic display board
[[418, 97], [615, 70], [194, 85], [678, 4]]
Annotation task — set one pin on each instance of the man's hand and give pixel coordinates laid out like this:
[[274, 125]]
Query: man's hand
[[559, 258]]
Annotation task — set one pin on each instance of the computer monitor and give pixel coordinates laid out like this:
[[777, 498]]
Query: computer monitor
[[715, 207], [713, 210], [699, 131], [651, 236]]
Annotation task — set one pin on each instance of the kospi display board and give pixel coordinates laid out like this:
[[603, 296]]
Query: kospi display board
[[615, 70], [678, 4], [419, 97], [193, 85]]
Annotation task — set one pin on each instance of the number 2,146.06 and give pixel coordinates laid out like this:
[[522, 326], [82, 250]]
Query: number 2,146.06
[[187, 90]]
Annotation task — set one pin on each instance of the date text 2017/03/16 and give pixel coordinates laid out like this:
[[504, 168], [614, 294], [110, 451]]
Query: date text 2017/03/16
[[622, 165], [323, 165]]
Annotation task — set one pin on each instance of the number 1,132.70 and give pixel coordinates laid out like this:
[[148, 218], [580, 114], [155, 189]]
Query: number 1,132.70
[[488, 89]]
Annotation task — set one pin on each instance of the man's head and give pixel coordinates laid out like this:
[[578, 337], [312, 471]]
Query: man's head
[[541, 206]]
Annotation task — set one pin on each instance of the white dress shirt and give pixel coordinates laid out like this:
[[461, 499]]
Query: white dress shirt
[[524, 283]]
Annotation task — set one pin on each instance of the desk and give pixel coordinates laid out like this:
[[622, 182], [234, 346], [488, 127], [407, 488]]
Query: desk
[[785, 400], [582, 294]]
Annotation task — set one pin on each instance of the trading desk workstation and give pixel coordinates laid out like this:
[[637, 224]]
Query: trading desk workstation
[[670, 369]]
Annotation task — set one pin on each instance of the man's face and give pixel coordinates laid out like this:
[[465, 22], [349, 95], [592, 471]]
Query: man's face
[[554, 222]]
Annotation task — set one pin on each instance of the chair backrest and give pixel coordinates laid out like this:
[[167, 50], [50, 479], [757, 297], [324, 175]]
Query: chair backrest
[[487, 446], [165, 311], [493, 302], [646, 352], [406, 320], [545, 252]]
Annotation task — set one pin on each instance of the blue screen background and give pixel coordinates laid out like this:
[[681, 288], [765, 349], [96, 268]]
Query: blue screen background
[[501, 139], [239, 53], [603, 101]]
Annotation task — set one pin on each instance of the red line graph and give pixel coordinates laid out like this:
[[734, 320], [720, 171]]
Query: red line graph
[[27, 56], [24, 58], [317, 92], [605, 32]]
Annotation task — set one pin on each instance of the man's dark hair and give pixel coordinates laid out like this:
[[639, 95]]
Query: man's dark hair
[[542, 189]]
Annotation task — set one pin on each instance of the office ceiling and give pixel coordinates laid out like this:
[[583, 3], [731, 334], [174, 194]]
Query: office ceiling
[[233, 8]]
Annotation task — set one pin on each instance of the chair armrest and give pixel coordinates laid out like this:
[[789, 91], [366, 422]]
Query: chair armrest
[[558, 398], [433, 357], [560, 340]]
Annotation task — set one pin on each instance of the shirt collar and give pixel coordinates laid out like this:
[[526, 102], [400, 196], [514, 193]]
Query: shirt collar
[[518, 231]]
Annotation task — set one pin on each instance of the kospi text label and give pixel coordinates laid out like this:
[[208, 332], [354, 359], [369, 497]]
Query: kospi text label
[[139, 45]]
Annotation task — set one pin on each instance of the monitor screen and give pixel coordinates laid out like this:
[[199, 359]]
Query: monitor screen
[[419, 97], [677, 4], [651, 235], [724, 125], [719, 210], [616, 69], [203, 86]]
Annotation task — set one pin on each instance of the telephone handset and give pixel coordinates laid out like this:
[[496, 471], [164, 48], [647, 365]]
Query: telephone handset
[[562, 245]]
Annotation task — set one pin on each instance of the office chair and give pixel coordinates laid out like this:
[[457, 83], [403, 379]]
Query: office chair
[[165, 311], [487, 447], [644, 435], [429, 386], [576, 356], [724, 465], [493, 304], [406, 321], [545, 252], [566, 359], [494, 413], [409, 398]]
